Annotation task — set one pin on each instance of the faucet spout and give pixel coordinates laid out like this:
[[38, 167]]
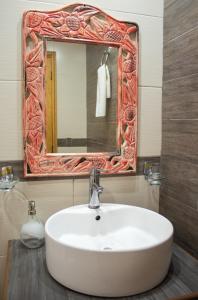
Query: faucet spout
[[95, 189]]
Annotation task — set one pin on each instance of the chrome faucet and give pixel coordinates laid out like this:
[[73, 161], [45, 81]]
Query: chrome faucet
[[94, 188]]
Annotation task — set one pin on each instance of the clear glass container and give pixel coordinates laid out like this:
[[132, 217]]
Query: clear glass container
[[7, 174], [7, 179], [152, 172], [8, 185], [154, 176], [32, 232]]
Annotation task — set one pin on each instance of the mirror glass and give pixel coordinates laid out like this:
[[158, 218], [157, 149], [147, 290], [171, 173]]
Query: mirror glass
[[81, 97]]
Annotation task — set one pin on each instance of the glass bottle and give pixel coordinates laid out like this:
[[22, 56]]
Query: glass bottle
[[32, 232]]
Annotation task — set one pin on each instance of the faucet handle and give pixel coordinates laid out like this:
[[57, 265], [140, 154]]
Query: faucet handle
[[98, 188]]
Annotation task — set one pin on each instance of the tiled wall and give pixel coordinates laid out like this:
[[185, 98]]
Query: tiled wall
[[179, 191], [54, 195]]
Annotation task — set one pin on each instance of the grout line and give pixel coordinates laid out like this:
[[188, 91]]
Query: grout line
[[181, 77], [169, 4], [45, 2], [150, 86], [103, 8], [144, 86], [179, 36], [138, 14], [73, 190], [180, 119], [11, 80]]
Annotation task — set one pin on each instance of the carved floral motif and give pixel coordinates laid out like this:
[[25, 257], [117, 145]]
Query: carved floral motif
[[88, 24]]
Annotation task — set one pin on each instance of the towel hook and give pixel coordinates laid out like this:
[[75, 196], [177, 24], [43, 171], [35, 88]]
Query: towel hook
[[105, 56]]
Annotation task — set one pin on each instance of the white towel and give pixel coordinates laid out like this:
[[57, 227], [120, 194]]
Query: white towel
[[103, 90], [108, 83]]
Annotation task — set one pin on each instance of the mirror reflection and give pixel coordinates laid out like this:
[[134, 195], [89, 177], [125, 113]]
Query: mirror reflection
[[81, 97]]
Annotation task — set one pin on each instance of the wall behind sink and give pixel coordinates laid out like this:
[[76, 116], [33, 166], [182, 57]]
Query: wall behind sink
[[54, 195]]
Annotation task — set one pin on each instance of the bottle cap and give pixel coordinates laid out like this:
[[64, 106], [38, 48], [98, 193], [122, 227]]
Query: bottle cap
[[31, 208], [7, 170]]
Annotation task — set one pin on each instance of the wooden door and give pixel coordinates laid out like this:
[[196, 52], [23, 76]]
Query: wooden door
[[51, 111]]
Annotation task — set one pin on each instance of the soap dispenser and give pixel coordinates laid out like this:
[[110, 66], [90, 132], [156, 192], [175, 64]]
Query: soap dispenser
[[32, 232]]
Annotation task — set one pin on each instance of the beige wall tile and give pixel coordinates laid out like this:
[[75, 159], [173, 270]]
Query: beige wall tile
[[10, 36], [11, 120], [131, 190], [149, 121], [81, 191], [11, 13]]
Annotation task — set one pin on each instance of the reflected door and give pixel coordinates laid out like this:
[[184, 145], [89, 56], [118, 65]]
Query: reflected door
[[51, 122]]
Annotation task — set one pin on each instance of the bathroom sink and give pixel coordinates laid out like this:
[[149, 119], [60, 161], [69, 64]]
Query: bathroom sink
[[116, 250]]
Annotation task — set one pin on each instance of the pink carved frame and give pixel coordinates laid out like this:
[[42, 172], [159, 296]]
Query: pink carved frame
[[77, 23]]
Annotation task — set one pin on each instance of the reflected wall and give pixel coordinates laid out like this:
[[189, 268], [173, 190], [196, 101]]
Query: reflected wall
[[101, 132]]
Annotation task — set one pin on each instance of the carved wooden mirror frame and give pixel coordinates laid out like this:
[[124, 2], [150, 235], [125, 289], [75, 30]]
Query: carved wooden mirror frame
[[77, 23]]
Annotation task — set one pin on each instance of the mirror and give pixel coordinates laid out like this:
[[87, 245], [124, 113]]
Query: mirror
[[92, 120], [72, 93]]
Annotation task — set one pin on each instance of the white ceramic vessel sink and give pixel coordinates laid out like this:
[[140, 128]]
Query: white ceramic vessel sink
[[126, 252]]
